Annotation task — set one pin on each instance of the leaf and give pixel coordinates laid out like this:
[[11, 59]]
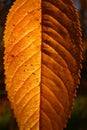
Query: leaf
[[43, 52]]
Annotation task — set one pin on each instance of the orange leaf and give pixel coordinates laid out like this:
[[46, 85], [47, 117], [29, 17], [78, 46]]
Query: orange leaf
[[42, 62]]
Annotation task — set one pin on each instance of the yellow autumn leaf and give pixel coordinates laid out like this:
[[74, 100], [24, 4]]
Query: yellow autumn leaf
[[42, 62]]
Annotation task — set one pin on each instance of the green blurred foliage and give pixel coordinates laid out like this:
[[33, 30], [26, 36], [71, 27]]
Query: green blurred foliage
[[5, 113], [78, 120]]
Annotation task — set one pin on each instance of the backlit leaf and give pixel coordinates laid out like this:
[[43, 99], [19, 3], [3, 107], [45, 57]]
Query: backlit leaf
[[42, 62]]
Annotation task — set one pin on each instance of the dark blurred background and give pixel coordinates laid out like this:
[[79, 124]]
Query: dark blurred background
[[78, 120]]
